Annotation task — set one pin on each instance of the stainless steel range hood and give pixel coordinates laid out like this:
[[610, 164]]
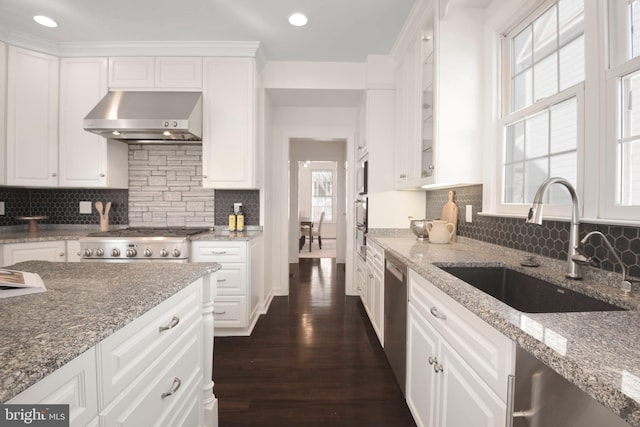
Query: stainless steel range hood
[[148, 117]]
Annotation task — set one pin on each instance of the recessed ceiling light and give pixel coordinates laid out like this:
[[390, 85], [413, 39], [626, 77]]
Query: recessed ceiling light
[[45, 20], [298, 20]]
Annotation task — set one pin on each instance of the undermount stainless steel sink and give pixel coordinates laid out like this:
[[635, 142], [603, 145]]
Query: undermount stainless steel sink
[[526, 293]]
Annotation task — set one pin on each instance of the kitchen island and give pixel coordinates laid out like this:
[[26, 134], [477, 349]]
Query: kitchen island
[[125, 322], [597, 351]]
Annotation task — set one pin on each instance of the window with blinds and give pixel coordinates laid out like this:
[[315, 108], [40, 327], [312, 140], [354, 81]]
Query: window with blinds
[[322, 195], [547, 68]]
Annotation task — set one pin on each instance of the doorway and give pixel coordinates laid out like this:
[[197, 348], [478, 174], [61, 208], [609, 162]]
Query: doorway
[[317, 183], [317, 205]]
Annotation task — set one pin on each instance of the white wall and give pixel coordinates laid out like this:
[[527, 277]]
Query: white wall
[[391, 209]]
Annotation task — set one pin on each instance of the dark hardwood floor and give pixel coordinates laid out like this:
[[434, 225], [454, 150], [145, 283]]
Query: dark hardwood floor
[[313, 360]]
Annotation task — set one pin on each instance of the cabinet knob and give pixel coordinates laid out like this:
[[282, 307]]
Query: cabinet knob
[[61, 253], [102, 175], [54, 174], [432, 360], [438, 368], [204, 176]]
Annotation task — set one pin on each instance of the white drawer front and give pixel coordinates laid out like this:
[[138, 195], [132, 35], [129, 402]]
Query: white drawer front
[[74, 384], [230, 312], [232, 279], [218, 251], [129, 351], [489, 353], [142, 403]]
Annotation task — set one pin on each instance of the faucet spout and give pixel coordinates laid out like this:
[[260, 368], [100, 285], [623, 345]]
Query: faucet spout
[[574, 270], [626, 283]]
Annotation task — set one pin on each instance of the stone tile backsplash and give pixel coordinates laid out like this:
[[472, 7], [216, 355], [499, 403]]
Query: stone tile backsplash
[[549, 240], [165, 187], [165, 190]]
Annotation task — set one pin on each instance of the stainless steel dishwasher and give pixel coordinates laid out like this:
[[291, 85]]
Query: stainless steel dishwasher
[[542, 398], [395, 317]]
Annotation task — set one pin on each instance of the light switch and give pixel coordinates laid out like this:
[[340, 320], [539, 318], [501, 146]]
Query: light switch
[[469, 213], [85, 207], [1, 208]]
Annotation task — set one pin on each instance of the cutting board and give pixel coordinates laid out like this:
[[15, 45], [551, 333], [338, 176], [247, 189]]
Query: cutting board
[[450, 214]]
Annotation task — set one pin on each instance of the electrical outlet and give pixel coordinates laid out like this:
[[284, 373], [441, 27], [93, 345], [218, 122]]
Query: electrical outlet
[[469, 213], [85, 207], [1, 208]]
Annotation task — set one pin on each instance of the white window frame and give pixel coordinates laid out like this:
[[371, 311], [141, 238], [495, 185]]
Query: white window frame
[[333, 197], [577, 91], [609, 207]]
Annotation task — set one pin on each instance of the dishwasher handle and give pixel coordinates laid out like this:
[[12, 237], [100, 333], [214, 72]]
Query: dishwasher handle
[[396, 271]]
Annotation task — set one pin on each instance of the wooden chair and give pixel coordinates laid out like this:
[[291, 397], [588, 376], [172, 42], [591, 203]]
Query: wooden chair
[[316, 231]]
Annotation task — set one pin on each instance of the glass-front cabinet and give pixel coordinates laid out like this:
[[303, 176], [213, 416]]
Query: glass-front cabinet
[[426, 162], [439, 85]]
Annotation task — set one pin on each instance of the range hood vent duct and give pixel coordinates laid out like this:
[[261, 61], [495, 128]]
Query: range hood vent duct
[[148, 117]]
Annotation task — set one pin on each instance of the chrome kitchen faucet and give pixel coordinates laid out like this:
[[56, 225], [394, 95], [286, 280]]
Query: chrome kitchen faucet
[[574, 270]]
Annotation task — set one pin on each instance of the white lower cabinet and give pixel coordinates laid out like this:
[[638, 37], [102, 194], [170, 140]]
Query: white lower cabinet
[[155, 371], [361, 277], [54, 250], [240, 282], [457, 365], [374, 289]]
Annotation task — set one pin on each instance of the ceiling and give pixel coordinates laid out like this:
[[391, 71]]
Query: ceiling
[[338, 30]]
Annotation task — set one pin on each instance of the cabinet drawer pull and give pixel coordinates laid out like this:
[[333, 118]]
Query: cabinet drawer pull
[[174, 387], [435, 313], [219, 252], [222, 280], [219, 312], [173, 324], [403, 176]]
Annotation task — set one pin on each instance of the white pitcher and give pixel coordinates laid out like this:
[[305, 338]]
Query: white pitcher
[[440, 231]]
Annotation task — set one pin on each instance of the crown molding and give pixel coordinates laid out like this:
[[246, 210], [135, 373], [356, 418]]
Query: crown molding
[[420, 12], [144, 48]]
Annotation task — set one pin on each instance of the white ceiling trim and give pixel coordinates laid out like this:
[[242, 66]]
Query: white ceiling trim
[[148, 48]]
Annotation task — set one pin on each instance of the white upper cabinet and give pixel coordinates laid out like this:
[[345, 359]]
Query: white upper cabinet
[[131, 72], [32, 118], [229, 121], [155, 72], [3, 116], [438, 102], [86, 159], [178, 72]]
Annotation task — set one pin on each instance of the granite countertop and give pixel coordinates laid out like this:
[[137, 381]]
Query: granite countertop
[[597, 351], [218, 233], [222, 234], [84, 304], [42, 235]]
